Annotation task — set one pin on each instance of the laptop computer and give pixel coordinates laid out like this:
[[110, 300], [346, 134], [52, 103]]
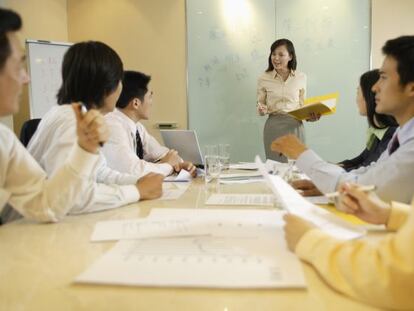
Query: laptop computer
[[186, 143]]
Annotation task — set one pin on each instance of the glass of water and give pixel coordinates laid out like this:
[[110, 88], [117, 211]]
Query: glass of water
[[212, 168], [224, 156], [290, 175], [211, 150]]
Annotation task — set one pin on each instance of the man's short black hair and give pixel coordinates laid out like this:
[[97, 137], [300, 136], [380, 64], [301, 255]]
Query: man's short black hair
[[402, 50], [90, 71], [10, 21], [134, 85]]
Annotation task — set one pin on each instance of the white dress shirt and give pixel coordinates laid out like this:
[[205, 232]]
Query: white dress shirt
[[50, 146], [25, 187], [120, 150], [392, 174]]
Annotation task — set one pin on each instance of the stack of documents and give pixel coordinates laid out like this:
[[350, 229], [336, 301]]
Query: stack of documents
[[250, 166], [238, 178], [204, 248], [220, 248]]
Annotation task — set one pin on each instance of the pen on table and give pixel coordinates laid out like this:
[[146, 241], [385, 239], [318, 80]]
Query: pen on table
[[84, 110], [366, 188]]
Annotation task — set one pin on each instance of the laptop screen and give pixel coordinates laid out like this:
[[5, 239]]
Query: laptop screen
[[185, 142]]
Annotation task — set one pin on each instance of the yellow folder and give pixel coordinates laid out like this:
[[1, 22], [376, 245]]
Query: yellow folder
[[324, 105]]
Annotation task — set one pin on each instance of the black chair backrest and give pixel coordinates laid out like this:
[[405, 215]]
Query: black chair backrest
[[28, 129]]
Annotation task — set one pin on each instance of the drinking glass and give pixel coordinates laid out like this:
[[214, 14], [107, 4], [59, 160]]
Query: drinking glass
[[224, 156], [212, 168]]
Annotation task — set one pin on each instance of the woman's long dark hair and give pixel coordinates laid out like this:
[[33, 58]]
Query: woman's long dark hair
[[375, 120]]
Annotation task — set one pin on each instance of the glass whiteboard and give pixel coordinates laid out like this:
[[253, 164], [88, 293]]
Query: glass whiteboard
[[228, 44], [332, 41]]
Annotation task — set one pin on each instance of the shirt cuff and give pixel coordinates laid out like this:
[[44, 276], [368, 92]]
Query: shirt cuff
[[307, 247], [324, 175], [303, 162], [130, 193], [82, 161], [166, 169], [398, 215]]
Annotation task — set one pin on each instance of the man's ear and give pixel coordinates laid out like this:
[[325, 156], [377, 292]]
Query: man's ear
[[410, 89], [135, 103]]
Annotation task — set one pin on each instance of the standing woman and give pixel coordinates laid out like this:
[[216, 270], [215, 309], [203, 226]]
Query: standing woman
[[279, 89]]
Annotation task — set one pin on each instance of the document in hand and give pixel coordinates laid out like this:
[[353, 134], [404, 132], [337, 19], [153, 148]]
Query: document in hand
[[323, 105], [290, 200], [183, 176]]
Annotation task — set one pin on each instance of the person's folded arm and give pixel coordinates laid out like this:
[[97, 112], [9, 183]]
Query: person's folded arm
[[44, 199]]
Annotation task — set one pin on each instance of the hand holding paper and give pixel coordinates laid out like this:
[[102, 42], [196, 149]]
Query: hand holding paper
[[315, 107], [295, 228]]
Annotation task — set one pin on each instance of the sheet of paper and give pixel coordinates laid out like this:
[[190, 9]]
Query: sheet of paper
[[242, 181], [146, 228], [256, 258], [327, 221], [182, 176], [321, 199], [240, 199], [173, 191], [244, 166], [296, 204], [248, 215], [276, 168], [236, 223], [246, 175]]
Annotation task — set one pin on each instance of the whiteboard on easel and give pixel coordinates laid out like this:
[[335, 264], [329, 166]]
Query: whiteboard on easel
[[44, 65]]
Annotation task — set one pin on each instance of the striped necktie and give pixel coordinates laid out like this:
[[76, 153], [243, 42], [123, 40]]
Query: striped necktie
[[140, 149]]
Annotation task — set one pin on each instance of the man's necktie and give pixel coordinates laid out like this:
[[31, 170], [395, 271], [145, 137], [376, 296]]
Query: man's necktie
[[394, 145], [140, 149]]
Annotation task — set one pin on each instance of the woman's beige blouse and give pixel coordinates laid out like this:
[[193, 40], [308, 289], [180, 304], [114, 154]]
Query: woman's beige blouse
[[281, 96]]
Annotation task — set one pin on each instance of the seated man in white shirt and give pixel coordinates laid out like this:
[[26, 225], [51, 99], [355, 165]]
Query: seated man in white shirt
[[393, 173], [24, 186], [91, 73], [130, 147]]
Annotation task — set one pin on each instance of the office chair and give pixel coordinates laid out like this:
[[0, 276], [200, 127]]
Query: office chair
[[28, 129]]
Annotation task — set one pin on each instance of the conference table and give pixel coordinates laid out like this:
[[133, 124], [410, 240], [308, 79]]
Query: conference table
[[39, 263]]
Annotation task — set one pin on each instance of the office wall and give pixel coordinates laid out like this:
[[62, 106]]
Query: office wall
[[8, 121], [149, 35], [390, 19], [42, 19], [158, 31]]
